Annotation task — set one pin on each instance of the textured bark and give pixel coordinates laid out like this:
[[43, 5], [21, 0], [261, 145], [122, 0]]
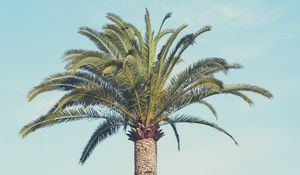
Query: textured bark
[[145, 157]]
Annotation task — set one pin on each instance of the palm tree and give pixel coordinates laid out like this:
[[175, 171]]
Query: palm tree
[[126, 84]]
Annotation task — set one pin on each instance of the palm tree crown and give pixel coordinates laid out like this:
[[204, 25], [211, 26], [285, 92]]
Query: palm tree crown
[[127, 82]]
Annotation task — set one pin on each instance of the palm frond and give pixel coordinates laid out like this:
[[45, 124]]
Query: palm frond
[[62, 82], [166, 47], [104, 130], [61, 116], [138, 34], [200, 69], [173, 125], [116, 37], [130, 80], [74, 52], [180, 47], [243, 96], [49, 86], [150, 51], [117, 20], [111, 66], [246, 87], [210, 107], [168, 15], [95, 96], [161, 34], [196, 120], [160, 65], [93, 61], [100, 40], [81, 59], [177, 101]]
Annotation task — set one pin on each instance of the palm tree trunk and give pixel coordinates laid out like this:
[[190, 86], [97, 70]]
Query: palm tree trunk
[[145, 157]]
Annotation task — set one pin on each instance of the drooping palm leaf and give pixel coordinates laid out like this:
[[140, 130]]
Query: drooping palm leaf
[[246, 87], [196, 120], [173, 125], [62, 116], [104, 130], [100, 40]]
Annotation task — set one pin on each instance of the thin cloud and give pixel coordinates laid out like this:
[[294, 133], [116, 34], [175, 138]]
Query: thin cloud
[[16, 90], [231, 12], [223, 14], [35, 109], [238, 53], [226, 159]]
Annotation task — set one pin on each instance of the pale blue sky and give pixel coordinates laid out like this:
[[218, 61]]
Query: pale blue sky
[[261, 35]]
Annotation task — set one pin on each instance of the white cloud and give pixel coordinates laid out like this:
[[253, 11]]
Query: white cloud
[[240, 53], [16, 90], [231, 12], [35, 109], [216, 13]]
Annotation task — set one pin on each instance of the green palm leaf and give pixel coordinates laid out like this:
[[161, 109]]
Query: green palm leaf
[[243, 96], [191, 119], [173, 125], [210, 107], [100, 40], [168, 15], [62, 116], [246, 87], [104, 130]]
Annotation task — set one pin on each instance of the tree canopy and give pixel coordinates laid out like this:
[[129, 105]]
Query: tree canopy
[[127, 82]]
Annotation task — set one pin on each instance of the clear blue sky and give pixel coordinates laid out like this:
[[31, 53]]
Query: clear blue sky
[[261, 35]]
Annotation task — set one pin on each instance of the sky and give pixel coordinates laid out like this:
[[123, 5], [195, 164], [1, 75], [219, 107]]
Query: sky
[[262, 35]]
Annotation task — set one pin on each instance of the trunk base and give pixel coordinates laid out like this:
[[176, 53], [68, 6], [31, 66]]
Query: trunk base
[[145, 156]]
